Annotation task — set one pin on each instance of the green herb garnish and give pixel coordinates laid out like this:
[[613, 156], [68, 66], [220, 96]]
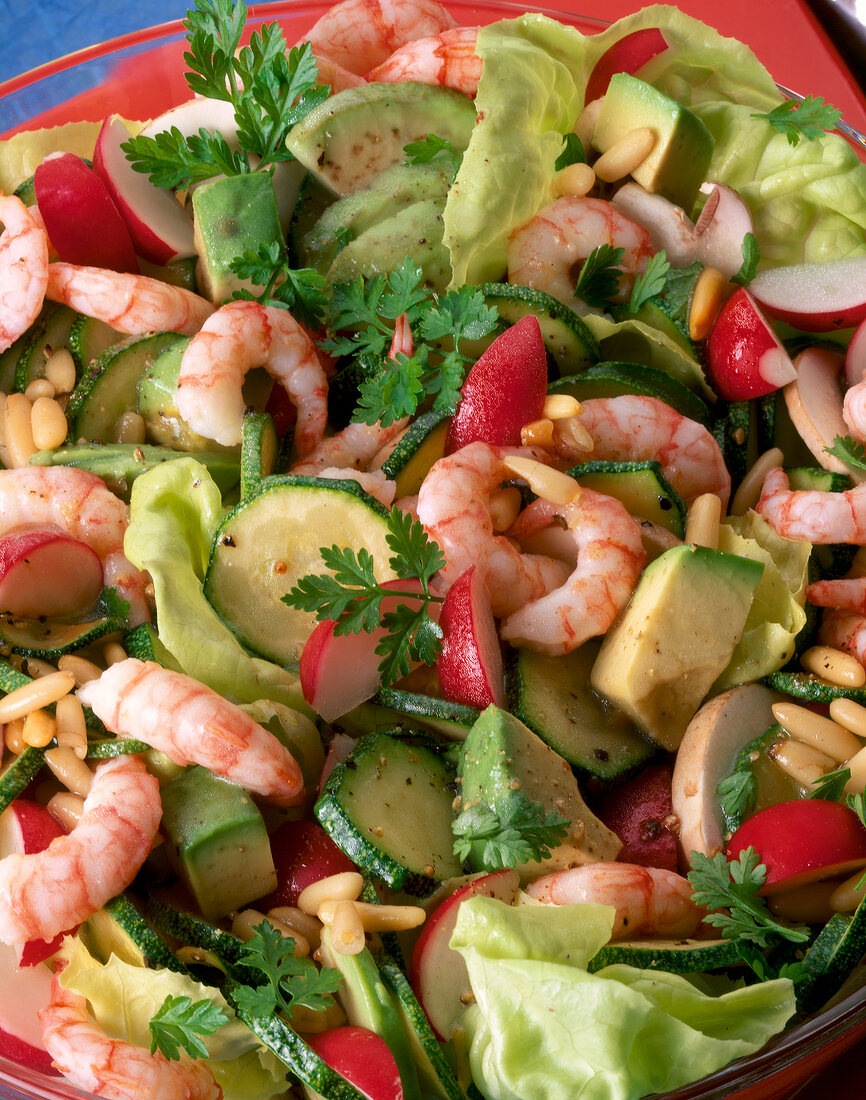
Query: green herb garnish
[[751, 256], [599, 277], [573, 152], [288, 980], [811, 118], [112, 605], [831, 786], [178, 1024], [849, 451], [650, 282], [428, 148], [737, 794], [300, 290], [515, 832]]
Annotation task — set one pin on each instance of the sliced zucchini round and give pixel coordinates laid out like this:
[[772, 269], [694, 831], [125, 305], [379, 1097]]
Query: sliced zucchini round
[[50, 332], [16, 777], [803, 685], [676, 957], [259, 449], [422, 444], [50, 640], [641, 487], [616, 379]]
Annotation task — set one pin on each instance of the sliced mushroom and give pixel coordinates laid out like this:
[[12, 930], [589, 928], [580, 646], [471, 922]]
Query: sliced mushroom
[[814, 404]]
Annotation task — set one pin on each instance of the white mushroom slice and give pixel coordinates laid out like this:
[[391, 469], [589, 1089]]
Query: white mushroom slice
[[814, 403], [709, 749]]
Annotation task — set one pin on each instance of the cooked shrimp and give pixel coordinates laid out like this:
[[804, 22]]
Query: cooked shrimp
[[454, 507], [192, 724], [114, 1068], [610, 558], [854, 410], [51, 891], [239, 336], [819, 517], [336, 76], [845, 630], [373, 482], [78, 503], [547, 251], [845, 593], [360, 34], [649, 901], [350, 449], [129, 303], [448, 58], [633, 429], [23, 269]]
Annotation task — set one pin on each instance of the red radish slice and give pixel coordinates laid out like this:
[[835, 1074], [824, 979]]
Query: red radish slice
[[855, 357], [84, 225], [363, 1058], [303, 853], [626, 55], [744, 355], [47, 573], [470, 664], [815, 297], [639, 812], [25, 992], [159, 228]]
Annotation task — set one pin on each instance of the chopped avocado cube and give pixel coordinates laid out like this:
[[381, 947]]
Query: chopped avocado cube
[[680, 158], [232, 216], [218, 841], [501, 760], [677, 634]]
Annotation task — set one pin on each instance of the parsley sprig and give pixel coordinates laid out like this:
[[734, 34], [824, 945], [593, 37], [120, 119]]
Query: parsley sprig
[[352, 596], [288, 980], [650, 282], [751, 256], [301, 290], [849, 451], [428, 148], [573, 152], [599, 277], [734, 886], [513, 832], [737, 794], [810, 119], [831, 786], [179, 1023]]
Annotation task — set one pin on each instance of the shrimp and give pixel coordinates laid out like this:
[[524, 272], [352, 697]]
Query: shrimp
[[192, 724], [129, 303], [48, 892], [23, 269], [239, 336], [846, 593], [350, 449], [546, 252], [845, 630], [649, 901], [114, 1068], [854, 410], [454, 507], [609, 562], [78, 503], [373, 482], [632, 428], [360, 34], [448, 59], [820, 517]]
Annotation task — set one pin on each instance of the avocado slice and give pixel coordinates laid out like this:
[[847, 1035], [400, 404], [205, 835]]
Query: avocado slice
[[354, 135], [680, 158], [677, 634], [503, 760], [217, 841]]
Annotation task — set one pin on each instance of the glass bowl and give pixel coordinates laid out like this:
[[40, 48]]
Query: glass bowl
[[139, 75]]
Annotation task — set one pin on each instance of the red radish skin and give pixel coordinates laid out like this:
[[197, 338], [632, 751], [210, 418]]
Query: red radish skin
[[627, 55], [24, 993], [814, 297], [855, 356], [744, 356], [303, 853], [637, 812], [363, 1058], [470, 664], [81, 219], [802, 841], [44, 572], [503, 391]]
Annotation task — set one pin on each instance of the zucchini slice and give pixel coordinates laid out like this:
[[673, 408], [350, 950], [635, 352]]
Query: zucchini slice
[[641, 487], [19, 772], [259, 449], [50, 332], [676, 957], [804, 685], [616, 379], [832, 957], [50, 640], [88, 339], [415, 451], [119, 929]]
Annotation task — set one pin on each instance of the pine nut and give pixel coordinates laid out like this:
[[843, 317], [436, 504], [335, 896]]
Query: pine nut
[[708, 297], [39, 387], [79, 668], [378, 918], [66, 808], [537, 433], [702, 522], [586, 120], [569, 434], [4, 453], [849, 714], [803, 763], [544, 481], [345, 886], [73, 773], [846, 897], [814, 729], [625, 155], [305, 925], [749, 490], [857, 767], [347, 931], [39, 730], [38, 693], [48, 424], [71, 727], [19, 436], [835, 666], [60, 371], [559, 406], [12, 736], [35, 667], [130, 428], [504, 507], [113, 653], [575, 181]]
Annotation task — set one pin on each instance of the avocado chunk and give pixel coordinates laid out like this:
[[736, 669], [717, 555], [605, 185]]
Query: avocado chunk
[[503, 760], [354, 135], [232, 216], [680, 158], [217, 841], [677, 634]]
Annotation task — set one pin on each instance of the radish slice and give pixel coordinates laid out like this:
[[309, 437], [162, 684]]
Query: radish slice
[[814, 297], [47, 573]]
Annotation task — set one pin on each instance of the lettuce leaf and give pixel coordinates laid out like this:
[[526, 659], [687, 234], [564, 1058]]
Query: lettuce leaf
[[541, 1026], [174, 512]]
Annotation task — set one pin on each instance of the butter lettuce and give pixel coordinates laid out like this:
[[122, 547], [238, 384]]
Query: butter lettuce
[[174, 512], [543, 1028]]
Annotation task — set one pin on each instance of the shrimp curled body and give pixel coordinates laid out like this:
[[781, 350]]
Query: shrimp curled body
[[115, 1068], [239, 336], [47, 892], [649, 901], [610, 558], [448, 59], [23, 269], [845, 630], [820, 517], [192, 724]]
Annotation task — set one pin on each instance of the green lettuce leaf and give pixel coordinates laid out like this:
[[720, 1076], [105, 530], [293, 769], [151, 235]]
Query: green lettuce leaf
[[542, 1026], [124, 998], [174, 512]]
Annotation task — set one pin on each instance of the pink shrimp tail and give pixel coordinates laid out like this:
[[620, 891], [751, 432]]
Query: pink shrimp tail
[[402, 341], [845, 593]]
